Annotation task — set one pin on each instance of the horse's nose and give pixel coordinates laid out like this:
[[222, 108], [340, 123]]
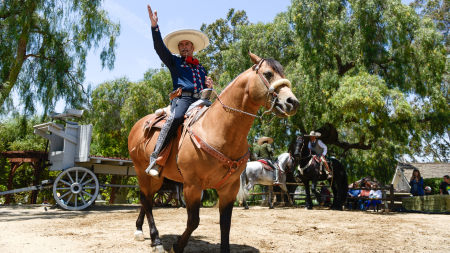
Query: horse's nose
[[291, 105]]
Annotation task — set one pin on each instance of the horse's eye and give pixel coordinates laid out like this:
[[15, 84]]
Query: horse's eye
[[268, 74]]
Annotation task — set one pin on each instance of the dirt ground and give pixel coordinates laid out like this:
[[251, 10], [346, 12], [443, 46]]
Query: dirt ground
[[111, 228]]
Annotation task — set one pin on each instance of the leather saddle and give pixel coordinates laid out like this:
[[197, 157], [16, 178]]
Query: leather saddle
[[158, 120], [267, 165]]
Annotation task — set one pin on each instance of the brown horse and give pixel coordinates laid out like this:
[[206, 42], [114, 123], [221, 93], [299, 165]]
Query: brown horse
[[226, 131]]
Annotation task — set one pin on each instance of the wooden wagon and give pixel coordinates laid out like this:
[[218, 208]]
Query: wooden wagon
[[77, 186]]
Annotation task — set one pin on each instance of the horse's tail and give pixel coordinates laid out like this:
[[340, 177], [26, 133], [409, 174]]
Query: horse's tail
[[243, 193]]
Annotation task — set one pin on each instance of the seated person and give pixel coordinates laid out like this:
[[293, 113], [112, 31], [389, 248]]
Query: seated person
[[374, 195], [353, 193], [364, 193]]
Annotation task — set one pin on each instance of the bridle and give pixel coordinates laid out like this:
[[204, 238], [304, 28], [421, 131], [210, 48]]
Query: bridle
[[301, 149], [270, 90]]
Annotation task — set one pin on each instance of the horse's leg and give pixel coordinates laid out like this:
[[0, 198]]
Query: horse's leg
[[227, 195], [314, 190], [308, 202], [284, 187], [336, 194], [192, 196], [270, 196], [139, 235], [147, 205], [249, 186]]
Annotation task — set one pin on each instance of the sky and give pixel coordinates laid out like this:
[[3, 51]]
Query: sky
[[135, 53]]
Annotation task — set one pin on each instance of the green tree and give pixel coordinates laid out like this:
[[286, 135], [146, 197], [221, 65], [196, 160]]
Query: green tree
[[221, 34], [368, 75], [43, 49]]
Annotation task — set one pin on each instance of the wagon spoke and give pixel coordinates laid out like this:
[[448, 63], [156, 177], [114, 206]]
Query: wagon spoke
[[87, 194], [81, 180], [65, 182], [87, 181], [65, 194], [71, 180], [68, 200], [76, 176], [63, 189], [89, 187], [82, 198]]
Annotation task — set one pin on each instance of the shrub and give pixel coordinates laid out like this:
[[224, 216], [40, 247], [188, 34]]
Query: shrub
[[433, 183]]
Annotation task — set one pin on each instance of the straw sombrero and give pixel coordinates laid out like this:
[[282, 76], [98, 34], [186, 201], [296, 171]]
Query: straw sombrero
[[263, 139], [313, 133], [198, 38]]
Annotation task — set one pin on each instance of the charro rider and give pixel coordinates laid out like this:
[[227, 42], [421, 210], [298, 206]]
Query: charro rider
[[188, 77], [320, 149], [265, 151]]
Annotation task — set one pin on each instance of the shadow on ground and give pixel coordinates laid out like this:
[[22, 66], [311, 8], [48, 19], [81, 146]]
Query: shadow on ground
[[197, 244]]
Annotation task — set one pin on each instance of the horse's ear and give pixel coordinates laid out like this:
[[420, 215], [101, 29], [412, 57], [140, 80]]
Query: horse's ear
[[254, 57]]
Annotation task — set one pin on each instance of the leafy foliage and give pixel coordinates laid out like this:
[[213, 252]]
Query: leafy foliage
[[43, 50]]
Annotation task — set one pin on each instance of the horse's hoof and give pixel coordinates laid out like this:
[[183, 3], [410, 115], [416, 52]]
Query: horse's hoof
[[270, 207], [158, 249], [139, 236], [173, 248], [246, 207]]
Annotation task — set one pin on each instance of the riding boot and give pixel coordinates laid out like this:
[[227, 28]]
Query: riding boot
[[276, 175], [153, 168]]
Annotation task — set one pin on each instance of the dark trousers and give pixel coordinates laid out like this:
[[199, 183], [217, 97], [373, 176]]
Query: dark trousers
[[179, 106]]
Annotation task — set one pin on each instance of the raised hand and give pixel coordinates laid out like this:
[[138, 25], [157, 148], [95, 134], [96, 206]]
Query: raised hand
[[153, 16], [209, 82]]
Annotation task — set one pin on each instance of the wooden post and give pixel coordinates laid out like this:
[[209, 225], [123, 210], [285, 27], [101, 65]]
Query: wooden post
[[14, 167], [37, 175], [392, 197], [113, 190]]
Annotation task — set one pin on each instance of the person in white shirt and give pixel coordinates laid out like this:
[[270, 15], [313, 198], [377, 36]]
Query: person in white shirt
[[374, 195], [320, 149]]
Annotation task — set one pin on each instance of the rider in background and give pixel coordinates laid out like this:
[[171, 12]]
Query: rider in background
[[320, 149], [265, 151], [188, 77]]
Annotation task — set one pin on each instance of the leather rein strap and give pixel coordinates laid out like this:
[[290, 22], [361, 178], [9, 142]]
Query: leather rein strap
[[201, 144]]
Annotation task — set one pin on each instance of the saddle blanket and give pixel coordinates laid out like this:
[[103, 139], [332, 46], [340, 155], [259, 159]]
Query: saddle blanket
[[266, 165]]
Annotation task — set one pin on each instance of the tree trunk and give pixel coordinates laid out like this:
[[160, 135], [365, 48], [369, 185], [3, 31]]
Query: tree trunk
[[21, 52]]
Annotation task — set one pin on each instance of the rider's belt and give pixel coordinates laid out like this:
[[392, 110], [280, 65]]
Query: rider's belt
[[189, 94]]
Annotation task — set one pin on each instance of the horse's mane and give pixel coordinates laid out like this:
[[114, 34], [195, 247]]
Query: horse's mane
[[274, 64]]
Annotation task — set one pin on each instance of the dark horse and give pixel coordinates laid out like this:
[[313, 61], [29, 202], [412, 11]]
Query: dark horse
[[302, 155]]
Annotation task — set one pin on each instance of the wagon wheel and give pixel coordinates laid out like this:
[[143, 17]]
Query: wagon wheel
[[183, 202], [163, 198], [77, 188]]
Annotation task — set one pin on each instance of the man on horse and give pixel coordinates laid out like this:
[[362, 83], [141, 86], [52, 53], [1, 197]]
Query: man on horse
[[189, 77], [320, 149], [265, 152]]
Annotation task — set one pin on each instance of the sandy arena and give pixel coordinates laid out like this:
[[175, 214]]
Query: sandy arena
[[111, 228]]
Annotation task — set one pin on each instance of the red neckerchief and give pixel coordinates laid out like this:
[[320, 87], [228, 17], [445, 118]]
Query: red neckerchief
[[192, 60]]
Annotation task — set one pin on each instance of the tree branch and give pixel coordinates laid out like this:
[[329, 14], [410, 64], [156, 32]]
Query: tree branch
[[342, 69], [329, 135]]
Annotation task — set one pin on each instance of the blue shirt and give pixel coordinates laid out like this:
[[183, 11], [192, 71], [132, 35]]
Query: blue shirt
[[189, 77], [354, 193], [418, 186]]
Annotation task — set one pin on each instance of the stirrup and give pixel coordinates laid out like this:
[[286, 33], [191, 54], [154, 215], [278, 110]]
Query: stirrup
[[153, 171]]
